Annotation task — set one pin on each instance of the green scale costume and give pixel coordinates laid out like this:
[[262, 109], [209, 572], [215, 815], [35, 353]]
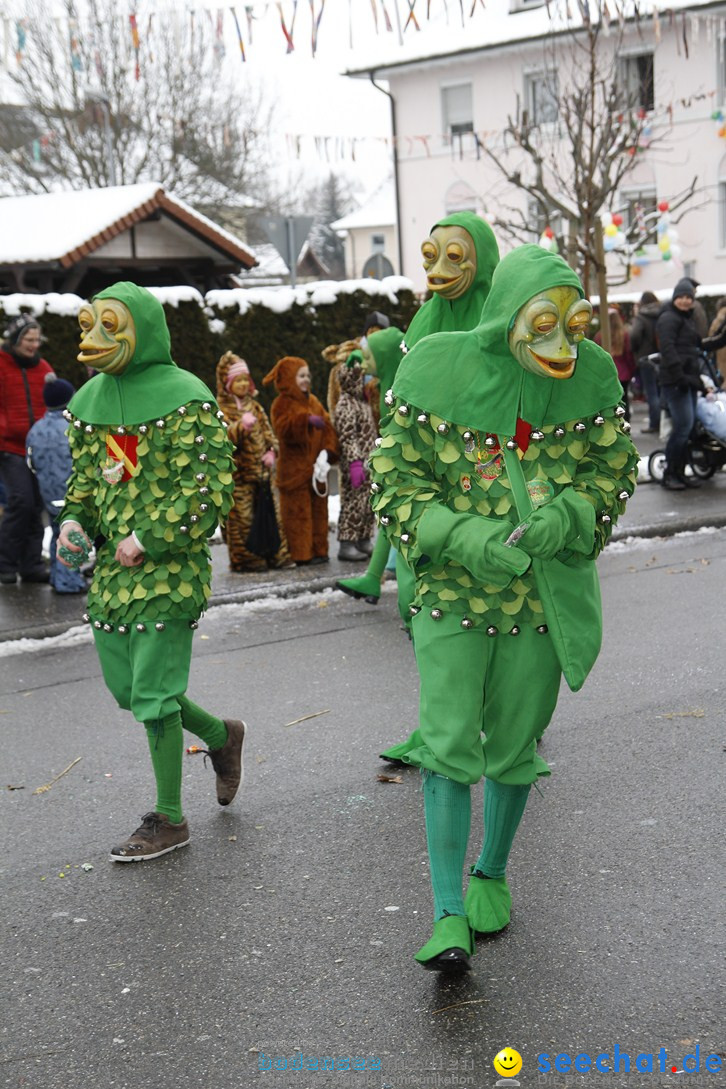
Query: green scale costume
[[484, 434], [460, 256], [151, 459]]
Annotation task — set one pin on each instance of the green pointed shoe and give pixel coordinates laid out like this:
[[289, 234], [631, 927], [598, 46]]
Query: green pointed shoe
[[450, 948], [488, 904], [365, 586]]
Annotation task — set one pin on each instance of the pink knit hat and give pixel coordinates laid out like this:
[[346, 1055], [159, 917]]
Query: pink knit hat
[[235, 370]]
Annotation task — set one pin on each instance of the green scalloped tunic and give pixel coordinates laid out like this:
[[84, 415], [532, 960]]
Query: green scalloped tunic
[[172, 498], [422, 459]]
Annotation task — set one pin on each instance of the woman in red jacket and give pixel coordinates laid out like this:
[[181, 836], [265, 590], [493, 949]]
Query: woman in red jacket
[[22, 377]]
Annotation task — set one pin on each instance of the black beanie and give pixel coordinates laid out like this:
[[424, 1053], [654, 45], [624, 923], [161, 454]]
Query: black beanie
[[375, 318], [684, 287], [57, 392], [18, 327]]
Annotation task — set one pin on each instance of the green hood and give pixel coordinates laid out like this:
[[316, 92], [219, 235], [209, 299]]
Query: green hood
[[473, 380], [152, 385], [448, 316]]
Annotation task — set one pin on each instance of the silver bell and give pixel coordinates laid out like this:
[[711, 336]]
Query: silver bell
[[121, 430], [183, 529], [88, 429], [511, 444], [160, 625], [536, 435], [77, 424], [599, 421], [193, 624], [385, 520], [436, 614], [389, 398], [204, 490], [443, 428], [467, 623], [605, 519], [542, 629], [97, 625], [204, 507], [143, 429], [86, 618], [468, 436], [623, 495], [122, 629], [491, 630], [620, 411], [199, 439], [108, 627], [559, 432], [515, 630], [181, 410], [194, 518], [423, 417], [414, 609], [203, 458], [141, 627], [405, 537], [580, 426], [375, 487], [378, 442], [206, 406], [201, 477], [626, 427], [490, 441], [160, 423], [403, 410]]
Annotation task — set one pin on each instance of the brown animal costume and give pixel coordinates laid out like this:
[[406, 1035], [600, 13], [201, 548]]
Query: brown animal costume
[[255, 451], [357, 432], [303, 429]]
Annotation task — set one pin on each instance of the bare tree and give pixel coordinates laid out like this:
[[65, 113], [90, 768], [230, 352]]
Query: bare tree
[[575, 144], [94, 109]]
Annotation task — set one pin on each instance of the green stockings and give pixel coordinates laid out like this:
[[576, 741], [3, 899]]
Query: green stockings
[[166, 744], [503, 810], [448, 817]]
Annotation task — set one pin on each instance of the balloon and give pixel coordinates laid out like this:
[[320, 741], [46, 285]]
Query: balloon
[[635, 270], [673, 234], [664, 244], [605, 219], [611, 230], [618, 219], [549, 233], [608, 244], [667, 256], [676, 251], [663, 206]]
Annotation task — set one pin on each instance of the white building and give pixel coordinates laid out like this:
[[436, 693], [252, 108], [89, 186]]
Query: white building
[[455, 90], [369, 236]]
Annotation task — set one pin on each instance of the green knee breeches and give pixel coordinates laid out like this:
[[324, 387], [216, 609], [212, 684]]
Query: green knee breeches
[[146, 671], [484, 700]]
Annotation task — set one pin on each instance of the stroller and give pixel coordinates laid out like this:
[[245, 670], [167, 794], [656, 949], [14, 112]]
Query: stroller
[[707, 444]]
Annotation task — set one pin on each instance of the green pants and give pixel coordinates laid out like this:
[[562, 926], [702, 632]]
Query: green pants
[[504, 687], [146, 671]]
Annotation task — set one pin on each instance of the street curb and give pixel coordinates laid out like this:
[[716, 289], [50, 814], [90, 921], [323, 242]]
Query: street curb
[[327, 582]]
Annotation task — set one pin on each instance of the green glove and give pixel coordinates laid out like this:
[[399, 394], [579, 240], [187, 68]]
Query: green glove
[[566, 522], [478, 544], [353, 358]]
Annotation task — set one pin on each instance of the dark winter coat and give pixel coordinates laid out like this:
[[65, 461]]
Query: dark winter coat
[[49, 456], [21, 399], [681, 347], [642, 331]]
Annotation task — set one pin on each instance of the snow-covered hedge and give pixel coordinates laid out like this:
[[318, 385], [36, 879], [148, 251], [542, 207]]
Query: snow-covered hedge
[[261, 324]]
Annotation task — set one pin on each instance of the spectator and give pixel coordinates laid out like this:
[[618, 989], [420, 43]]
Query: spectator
[[621, 352], [306, 437], [49, 457], [353, 421], [644, 346], [681, 348], [255, 454], [22, 377]]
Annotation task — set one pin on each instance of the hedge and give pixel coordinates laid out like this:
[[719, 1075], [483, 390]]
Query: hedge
[[260, 325]]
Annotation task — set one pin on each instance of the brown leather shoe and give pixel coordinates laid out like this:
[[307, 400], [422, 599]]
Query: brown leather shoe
[[227, 761], [156, 835]]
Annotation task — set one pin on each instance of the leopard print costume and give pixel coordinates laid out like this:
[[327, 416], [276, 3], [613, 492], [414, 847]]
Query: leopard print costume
[[353, 420], [249, 472]]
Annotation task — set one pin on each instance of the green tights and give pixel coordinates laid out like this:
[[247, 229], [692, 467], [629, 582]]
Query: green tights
[[166, 745]]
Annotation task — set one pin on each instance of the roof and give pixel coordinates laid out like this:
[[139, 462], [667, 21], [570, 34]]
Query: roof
[[67, 226], [445, 35], [378, 211]]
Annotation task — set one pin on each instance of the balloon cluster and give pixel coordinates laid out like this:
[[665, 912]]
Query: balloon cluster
[[614, 237], [548, 241], [667, 234], [717, 115]]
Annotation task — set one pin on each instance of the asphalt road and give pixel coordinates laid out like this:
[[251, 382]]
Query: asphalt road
[[287, 928]]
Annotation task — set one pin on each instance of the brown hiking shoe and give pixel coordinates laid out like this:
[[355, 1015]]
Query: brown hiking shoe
[[156, 835], [227, 761]]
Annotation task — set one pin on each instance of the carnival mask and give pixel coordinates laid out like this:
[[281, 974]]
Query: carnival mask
[[449, 261], [546, 331], [108, 336]]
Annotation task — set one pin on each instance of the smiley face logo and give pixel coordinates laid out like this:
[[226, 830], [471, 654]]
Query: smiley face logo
[[508, 1062]]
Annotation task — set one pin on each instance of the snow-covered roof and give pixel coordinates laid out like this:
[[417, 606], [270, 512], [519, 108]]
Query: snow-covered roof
[[65, 226], [378, 211], [448, 32]]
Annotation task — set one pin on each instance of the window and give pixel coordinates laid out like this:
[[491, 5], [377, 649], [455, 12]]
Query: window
[[457, 113], [636, 82], [378, 243], [538, 218], [639, 208], [721, 62], [525, 5], [541, 92]]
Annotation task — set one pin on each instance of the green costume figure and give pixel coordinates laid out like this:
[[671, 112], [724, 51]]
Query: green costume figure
[[459, 257], [152, 476], [502, 467]]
